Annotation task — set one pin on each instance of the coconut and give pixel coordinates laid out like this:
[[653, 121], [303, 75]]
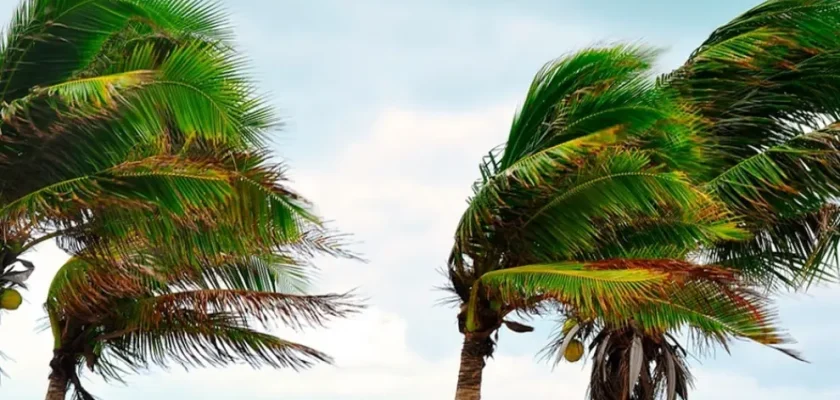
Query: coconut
[[10, 299], [574, 351]]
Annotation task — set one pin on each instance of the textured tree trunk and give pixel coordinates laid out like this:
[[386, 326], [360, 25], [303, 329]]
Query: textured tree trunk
[[57, 389], [473, 352]]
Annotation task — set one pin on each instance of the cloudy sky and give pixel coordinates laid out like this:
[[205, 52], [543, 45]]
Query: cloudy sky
[[389, 106]]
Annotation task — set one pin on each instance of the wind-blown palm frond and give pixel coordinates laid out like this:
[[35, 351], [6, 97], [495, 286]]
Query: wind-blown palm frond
[[764, 85], [566, 94], [126, 316], [63, 36], [765, 77], [147, 87], [791, 250], [614, 186], [780, 179], [654, 295], [576, 107]]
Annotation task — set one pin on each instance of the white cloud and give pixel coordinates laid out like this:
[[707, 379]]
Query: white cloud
[[417, 164], [715, 385]]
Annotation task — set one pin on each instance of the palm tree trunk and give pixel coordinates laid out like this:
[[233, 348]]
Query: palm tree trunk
[[57, 389], [473, 353]]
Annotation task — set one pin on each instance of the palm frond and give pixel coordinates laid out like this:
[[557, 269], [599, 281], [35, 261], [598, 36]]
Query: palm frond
[[195, 340], [792, 250], [651, 295], [578, 80], [62, 37], [127, 316], [675, 234], [576, 107], [616, 186], [778, 179], [765, 75], [295, 311]]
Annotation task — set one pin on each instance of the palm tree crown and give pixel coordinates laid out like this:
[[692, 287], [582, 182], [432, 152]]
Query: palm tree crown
[[128, 120]]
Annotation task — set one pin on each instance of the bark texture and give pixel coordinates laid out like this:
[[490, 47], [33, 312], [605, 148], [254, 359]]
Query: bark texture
[[57, 389], [473, 354]]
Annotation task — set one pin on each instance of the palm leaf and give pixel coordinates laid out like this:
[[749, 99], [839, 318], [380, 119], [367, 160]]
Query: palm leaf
[[654, 295], [61, 37]]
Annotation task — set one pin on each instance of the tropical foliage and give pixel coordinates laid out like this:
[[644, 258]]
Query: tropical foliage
[[147, 311], [130, 129], [638, 208]]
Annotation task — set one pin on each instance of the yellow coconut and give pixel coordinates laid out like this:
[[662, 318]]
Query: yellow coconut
[[574, 351], [10, 299], [568, 325]]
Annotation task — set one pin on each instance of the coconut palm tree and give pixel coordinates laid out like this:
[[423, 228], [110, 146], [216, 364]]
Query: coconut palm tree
[[758, 140], [123, 119], [130, 124], [594, 209], [123, 316]]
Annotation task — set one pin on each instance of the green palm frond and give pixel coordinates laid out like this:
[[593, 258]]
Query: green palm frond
[[615, 186], [576, 107], [92, 93], [221, 100], [567, 92], [161, 183], [765, 75], [654, 296], [213, 340], [675, 234], [792, 250], [61, 37], [592, 291], [199, 90], [777, 179]]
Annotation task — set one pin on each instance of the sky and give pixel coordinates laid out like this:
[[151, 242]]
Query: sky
[[389, 107]]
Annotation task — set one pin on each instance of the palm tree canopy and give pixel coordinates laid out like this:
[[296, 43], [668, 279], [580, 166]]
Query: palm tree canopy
[[595, 202], [131, 133], [127, 121]]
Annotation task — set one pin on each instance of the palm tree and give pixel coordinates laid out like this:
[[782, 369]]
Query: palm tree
[[126, 120], [595, 209], [130, 124], [147, 311]]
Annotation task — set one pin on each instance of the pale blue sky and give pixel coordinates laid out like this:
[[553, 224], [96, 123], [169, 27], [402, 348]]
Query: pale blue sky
[[389, 106]]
